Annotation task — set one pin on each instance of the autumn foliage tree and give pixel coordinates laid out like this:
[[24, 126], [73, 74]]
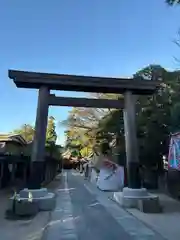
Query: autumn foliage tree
[[26, 131], [83, 124]]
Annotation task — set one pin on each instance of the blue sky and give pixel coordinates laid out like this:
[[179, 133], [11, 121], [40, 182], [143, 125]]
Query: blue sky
[[89, 37]]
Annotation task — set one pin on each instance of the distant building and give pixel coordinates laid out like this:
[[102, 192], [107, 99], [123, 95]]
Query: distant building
[[12, 144], [15, 160], [15, 144]]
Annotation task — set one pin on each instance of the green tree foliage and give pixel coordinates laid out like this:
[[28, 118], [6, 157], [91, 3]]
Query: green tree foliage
[[51, 135], [175, 118], [155, 115], [173, 2], [26, 131]]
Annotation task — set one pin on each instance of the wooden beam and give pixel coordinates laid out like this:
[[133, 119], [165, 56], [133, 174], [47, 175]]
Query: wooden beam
[[24, 79], [85, 102]]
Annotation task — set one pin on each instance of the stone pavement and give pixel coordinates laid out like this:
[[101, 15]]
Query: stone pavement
[[84, 213], [167, 222]]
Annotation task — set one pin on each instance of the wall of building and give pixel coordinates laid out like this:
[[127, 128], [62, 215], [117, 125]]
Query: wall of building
[[13, 148]]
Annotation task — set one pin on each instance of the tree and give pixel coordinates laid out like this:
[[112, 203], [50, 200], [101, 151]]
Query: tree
[[51, 135], [79, 139], [83, 125], [88, 118], [173, 2], [175, 118], [153, 116], [26, 131]]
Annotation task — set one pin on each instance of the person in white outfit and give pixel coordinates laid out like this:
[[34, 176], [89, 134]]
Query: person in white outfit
[[110, 176]]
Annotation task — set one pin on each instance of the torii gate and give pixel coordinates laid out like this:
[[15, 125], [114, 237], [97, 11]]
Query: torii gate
[[46, 82]]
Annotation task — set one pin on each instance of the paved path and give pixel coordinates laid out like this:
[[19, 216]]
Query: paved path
[[84, 213]]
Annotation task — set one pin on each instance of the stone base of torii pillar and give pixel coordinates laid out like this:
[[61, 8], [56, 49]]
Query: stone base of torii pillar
[[129, 197]]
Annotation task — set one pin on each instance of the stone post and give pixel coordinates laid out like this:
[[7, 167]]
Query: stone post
[[132, 158], [38, 150]]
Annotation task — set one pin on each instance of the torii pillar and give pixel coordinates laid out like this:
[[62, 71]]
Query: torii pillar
[[133, 192], [38, 149], [132, 156]]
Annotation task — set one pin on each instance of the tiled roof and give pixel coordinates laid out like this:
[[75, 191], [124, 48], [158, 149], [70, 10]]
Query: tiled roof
[[12, 138]]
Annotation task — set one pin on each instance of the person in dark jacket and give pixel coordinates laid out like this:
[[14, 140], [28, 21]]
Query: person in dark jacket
[[86, 170]]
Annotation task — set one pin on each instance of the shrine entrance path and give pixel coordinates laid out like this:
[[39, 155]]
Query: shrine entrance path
[[84, 213]]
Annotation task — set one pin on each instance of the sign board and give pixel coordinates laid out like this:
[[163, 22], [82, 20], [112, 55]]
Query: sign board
[[174, 152]]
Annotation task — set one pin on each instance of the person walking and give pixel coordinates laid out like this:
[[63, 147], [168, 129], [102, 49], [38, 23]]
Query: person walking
[[90, 170], [86, 170]]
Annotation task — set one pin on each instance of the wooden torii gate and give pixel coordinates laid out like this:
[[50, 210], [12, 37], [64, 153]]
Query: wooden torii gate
[[46, 82]]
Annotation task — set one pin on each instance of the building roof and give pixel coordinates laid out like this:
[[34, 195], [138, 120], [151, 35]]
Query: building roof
[[24, 79], [12, 138]]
